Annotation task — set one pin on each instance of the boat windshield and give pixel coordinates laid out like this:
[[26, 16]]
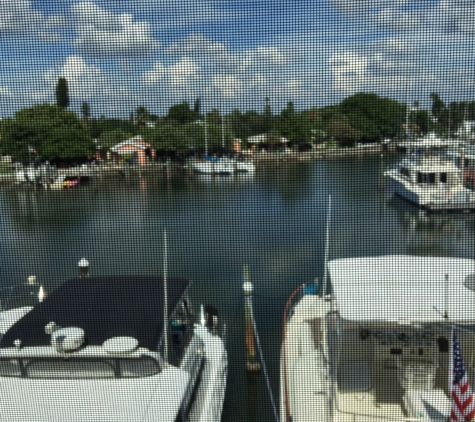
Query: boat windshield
[[79, 368], [388, 370]]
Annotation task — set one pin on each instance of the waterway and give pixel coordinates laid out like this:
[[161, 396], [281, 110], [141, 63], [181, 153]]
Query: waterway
[[272, 221]]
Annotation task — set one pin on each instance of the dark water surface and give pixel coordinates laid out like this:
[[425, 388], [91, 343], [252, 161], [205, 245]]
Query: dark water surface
[[273, 221]]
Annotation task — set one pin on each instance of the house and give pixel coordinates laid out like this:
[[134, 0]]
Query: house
[[134, 149]]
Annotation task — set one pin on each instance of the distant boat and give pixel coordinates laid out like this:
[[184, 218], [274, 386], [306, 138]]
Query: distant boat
[[212, 165], [430, 180]]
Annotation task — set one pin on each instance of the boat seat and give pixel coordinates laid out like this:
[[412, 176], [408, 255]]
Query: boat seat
[[355, 377], [427, 405]]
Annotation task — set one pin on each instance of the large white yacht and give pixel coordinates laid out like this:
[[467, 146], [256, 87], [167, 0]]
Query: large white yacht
[[377, 348], [429, 180], [99, 349]]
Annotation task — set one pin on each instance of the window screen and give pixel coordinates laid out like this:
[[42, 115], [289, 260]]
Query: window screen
[[254, 149]]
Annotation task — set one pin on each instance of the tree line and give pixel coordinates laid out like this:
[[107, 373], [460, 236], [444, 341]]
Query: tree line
[[55, 133]]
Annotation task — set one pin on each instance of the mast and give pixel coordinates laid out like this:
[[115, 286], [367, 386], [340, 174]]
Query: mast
[[165, 296], [327, 242]]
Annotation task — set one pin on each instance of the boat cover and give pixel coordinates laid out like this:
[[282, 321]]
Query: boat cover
[[403, 288], [103, 307]]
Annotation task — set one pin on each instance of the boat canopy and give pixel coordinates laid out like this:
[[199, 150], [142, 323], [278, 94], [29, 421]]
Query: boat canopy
[[104, 307], [403, 289]]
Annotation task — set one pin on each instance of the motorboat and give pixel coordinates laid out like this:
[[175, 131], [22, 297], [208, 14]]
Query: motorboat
[[430, 180], [244, 166], [212, 165], [112, 348], [377, 348]]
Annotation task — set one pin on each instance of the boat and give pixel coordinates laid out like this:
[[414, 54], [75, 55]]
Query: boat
[[431, 181], [212, 165], [99, 349], [377, 347], [242, 165]]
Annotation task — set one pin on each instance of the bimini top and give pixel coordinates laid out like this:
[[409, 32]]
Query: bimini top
[[103, 307], [404, 289]]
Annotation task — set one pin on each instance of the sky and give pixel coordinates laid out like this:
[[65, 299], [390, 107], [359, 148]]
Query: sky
[[119, 55]]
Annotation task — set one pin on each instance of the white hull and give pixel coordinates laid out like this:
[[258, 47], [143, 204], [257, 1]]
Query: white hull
[[211, 167], [379, 348], [438, 196]]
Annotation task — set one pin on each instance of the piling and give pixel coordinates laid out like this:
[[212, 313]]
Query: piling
[[83, 266], [252, 365]]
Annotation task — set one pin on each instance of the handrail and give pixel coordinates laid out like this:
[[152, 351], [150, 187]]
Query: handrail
[[284, 327]]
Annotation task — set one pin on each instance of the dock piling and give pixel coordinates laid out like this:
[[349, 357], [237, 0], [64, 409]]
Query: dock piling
[[252, 365]]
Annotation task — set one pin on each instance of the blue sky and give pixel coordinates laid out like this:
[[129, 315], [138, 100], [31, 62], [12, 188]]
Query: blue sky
[[118, 55]]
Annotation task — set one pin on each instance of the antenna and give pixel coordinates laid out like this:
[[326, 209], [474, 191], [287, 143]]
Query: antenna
[[165, 295], [327, 241], [446, 314]]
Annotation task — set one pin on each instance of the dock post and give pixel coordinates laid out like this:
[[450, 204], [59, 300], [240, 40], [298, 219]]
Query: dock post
[[252, 364], [83, 266]]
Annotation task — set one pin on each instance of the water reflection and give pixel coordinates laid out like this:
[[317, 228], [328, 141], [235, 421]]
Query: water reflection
[[443, 234]]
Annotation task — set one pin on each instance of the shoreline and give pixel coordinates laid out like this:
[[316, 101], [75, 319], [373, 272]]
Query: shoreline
[[261, 158]]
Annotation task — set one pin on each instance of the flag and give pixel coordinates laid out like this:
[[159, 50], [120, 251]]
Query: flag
[[31, 150], [463, 406]]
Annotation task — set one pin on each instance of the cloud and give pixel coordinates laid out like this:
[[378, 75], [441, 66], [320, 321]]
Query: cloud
[[84, 80], [365, 6], [157, 73], [349, 71], [18, 17], [229, 86], [182, 73], [5, 90], [105, 34], [195, 44]]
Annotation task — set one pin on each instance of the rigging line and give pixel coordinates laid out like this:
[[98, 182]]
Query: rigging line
[[261, 355]]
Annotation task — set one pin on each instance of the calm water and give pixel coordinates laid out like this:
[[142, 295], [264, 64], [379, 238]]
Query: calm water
[[274, 222]]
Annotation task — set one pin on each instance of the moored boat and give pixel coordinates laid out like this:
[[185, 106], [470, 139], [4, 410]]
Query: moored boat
[[431, 181], [378, 347], [100, 348]]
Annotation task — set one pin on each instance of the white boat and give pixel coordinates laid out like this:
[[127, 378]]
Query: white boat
[[98, 349], [431, 181], [377, 348], [212, 165], [244, 166]]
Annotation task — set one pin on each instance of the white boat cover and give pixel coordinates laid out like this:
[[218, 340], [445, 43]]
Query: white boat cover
[[403, 289]]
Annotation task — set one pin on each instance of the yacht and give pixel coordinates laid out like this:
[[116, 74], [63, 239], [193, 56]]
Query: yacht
[[212, 165], [112, 348], [378, 347], [430, 180]]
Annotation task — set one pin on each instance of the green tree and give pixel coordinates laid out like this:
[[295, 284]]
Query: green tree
[[340, 129], [62, 93], [181, 113], [438, 106], [52, 131], [142, 116]]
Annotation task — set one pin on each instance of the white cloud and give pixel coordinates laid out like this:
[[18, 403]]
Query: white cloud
[[229, 86], [158, 72], [364, 6], [104, 34], [349, 71], [5, 90], [18, 17], [196, 44], [183, 72], [83, 80]]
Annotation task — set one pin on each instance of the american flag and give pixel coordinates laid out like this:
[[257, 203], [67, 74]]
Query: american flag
[[463, 406]]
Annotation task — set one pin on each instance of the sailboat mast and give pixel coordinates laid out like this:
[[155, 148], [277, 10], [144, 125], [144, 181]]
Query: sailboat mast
[[165, 296]]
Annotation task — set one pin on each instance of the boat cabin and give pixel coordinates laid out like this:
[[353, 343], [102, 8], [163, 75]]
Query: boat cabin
[[99, 327], [390, 336]]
